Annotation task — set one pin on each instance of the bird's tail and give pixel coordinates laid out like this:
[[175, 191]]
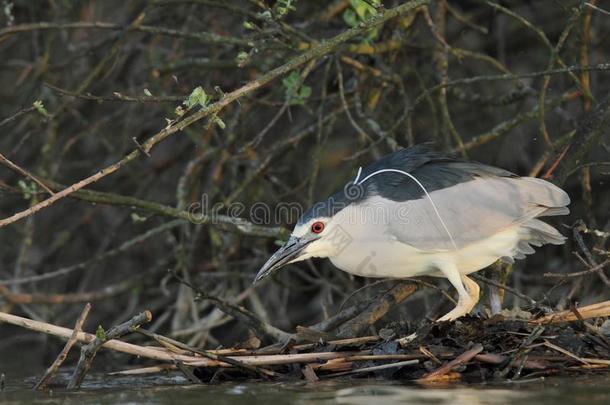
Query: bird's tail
[[535, 233], [551, 201]]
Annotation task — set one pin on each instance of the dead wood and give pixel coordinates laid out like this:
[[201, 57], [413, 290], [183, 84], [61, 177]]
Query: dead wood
[[89, 351], [445, 368], [600, 309], [78, 327], [377, 309]]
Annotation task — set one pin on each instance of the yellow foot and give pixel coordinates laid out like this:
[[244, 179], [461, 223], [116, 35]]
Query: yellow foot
[[465, 302], [463, 308]]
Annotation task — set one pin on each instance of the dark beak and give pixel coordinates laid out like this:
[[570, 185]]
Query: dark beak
[[287, 253]]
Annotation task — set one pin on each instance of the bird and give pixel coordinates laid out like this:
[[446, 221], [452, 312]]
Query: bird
[[417, 212]]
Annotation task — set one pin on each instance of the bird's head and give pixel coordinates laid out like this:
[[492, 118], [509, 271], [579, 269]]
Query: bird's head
[[320, 232], [311, 237]]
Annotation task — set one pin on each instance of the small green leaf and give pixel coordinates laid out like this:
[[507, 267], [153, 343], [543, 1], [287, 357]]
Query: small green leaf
[[135, 218], [197, 97], [305, 92], [8, 12], [248, 25], [28, 189], [39, 106], [24, 189], [296, 92], [219, 122], [242, 59], [265, 15], [360, 11], [364, 9], [283, 7], [291, 82], [100, 333], [350, 18]]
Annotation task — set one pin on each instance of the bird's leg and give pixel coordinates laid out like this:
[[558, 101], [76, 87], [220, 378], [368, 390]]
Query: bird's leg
[[468, 291], [474, 291], [499, 272]]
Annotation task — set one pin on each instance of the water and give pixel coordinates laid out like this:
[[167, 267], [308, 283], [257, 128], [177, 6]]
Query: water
[[173, 389]]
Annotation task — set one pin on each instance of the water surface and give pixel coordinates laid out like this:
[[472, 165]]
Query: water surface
[[174, 389]]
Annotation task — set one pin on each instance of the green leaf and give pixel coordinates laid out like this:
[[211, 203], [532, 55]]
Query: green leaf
[[197, 97], [39, 106], [364, 9], [135, 218], [359, 12], [219, 122], [147, 92], [296, 92], [305, 92], [242, 59], [350, 17], [100, 333], [283, 7], [28, 189], [291, 82]]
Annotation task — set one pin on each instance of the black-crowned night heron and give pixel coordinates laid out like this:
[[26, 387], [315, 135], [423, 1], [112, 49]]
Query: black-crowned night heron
[[417, 212]]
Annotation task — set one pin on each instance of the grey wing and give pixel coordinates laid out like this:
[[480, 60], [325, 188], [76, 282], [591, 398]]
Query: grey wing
[[474, 210]]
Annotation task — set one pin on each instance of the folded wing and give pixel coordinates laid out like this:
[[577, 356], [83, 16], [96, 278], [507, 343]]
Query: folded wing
[[480, 203]]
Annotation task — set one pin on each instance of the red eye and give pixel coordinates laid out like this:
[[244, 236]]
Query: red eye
[[317, 227]]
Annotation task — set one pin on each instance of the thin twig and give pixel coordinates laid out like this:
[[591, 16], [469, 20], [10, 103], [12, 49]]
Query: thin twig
[[116, 96], [203, 37], [521, 352], [504, 287], [165, 341], [24, 173], [594, 269], [598, 9], [240, 313], [16, 115], [374, 368], [78, 327]]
